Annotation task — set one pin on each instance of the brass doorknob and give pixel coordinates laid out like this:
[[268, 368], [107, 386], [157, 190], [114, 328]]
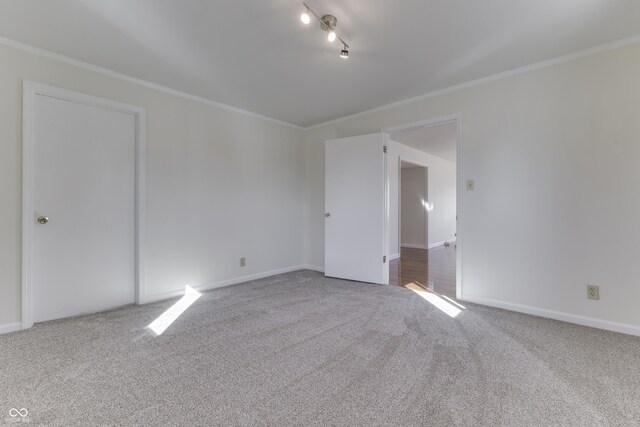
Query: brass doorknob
[[43, 220]]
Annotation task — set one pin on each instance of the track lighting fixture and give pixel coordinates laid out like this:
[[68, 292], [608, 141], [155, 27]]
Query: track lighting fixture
[[344, 54], [327, 24]]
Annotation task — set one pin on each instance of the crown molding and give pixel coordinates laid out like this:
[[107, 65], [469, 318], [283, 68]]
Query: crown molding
[[111, 73], [504, 74]]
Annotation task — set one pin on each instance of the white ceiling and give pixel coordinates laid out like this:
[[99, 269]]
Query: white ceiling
[[258, 56], [439, 140]]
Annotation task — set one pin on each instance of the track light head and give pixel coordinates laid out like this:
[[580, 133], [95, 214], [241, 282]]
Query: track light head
[[305, 17], [344, 54], [331, 36]]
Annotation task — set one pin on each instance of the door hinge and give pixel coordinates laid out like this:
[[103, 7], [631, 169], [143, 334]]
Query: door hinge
[[384, 148], [384, 259]]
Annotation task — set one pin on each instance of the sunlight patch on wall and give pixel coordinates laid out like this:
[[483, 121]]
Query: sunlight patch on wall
[[428, 206]]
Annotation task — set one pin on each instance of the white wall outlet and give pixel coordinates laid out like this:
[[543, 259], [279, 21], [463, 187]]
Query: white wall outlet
[[243, 262], [593, 292], [471, 185]]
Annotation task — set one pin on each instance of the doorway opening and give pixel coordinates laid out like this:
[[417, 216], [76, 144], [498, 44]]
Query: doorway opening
[[423, 206]]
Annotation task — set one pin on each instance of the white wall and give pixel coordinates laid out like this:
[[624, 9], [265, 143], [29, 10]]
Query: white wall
[[442, 195], [220, 185], [554, 153], [413, 213], [441, 189]]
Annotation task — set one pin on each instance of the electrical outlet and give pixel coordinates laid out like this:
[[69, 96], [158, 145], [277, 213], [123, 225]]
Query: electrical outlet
[[243, 262], [471, 185], [593, 292]]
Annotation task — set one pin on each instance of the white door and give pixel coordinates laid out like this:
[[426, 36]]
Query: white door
[[83, 198], [356, 217]]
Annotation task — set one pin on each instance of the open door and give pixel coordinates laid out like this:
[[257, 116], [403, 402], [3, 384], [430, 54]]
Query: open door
[[356, 208]]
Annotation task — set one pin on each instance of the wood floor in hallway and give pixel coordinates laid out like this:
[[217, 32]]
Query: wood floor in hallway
[[434, 269]]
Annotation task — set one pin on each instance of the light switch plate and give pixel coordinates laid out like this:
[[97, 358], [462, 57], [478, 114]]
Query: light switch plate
[[471, 185]]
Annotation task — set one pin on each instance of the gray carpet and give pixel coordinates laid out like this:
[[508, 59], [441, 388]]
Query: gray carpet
[[300, 349]]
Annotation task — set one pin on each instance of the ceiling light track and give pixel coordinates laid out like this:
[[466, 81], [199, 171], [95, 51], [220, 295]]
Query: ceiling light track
[[328, 24]]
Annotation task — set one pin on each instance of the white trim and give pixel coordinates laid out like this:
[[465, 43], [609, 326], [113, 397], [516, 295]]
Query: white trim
[[460, 187], [229, 282], [394, 256], [531, 67], [521, 70], [459, 203], [10, 327], [412, 246], [386, 215], [436, 121], [399, 192], [141, 203], [111, 73], [27, 126], [30, 91], [623, 328], [435, 245], [312, 268]]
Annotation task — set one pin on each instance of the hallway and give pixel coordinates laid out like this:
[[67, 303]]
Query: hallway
[[434, 269]]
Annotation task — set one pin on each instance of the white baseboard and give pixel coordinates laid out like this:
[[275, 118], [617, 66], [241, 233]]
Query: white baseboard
[[172, 294], [623, 328], [311, 267], [412, 246], [10, 327], [394, 256]]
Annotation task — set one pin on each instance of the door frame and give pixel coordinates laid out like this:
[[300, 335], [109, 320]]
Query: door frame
[[29, 92], [460, 185], [426, 198]]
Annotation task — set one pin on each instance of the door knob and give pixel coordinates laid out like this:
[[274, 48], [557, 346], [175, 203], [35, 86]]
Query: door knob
[[43, 220], [328, 214]]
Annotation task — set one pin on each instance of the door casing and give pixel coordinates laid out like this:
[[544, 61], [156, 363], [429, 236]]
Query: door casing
[[460, 184], [30, 91]]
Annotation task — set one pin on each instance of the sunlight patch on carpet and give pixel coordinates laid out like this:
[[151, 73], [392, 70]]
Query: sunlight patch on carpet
[[165, 320], [435, 300]]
